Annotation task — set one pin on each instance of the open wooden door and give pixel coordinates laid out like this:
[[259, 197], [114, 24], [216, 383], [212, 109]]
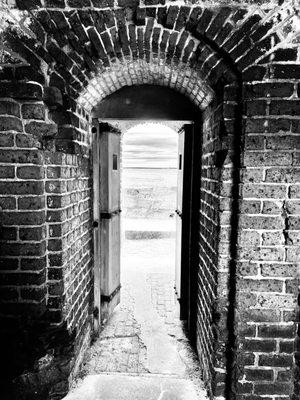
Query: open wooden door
[[183, 219], [178, 246], [110, 230], [96, 226]]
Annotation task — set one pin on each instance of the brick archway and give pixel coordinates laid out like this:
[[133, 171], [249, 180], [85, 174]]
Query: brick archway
[[239, 66]]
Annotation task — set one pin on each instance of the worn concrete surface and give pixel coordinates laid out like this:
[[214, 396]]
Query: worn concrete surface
[[142, 352], [120, 387]]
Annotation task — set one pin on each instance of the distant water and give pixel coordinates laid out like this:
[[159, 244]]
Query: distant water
[[148, 192]]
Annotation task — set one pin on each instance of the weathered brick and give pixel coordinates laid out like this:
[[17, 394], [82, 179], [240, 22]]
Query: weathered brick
[[31, 203], [260, 285], [259, 374], [33, 111], [267, 159], [292, 206], [30, 172], [41, 129], [23, 218], [34, 264], [277, 301], [32, 234], [37, 294], [26, 187], [21, 156], [9, 264], [30, 91], [276, 331], [285, 71], [294, 192], [261, 222], [264, 191], [13, 249], [7, 172], [283, 142], [288, 175], [7, 203], [9, 123], [285, 107], [272, 238], [23, 278], [255, 107], [272, 207], [266, 90], [272, 388], [6, 140], [9, 108]]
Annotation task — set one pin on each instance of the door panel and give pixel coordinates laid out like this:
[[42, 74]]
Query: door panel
[[96, 226], [180, 164], [110, 219]]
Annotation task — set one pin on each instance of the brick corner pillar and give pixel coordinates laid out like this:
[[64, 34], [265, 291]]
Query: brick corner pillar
[[267, 283], [23, 234]]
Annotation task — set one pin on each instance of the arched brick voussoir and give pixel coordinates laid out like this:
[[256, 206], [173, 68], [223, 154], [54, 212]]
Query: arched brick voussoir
[[179, 77]]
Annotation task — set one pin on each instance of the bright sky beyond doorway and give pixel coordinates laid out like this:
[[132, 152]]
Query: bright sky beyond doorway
[[150, 145]]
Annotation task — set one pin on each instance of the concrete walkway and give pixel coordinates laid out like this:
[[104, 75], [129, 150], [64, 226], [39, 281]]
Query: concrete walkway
[[142, 352], [120, 387]]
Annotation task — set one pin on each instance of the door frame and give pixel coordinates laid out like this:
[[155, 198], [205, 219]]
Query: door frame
[[190, 224], [190, 228]]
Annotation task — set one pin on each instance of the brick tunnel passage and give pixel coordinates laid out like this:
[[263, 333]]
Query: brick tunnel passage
[[143, 336]]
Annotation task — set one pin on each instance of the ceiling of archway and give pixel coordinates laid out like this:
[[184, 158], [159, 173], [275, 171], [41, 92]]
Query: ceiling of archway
[[94, 45]]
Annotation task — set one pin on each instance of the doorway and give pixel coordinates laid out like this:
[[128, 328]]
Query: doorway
[[142, 304], [184, 210]]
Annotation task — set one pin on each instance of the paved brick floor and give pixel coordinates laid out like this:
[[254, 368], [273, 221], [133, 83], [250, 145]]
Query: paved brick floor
[[144, 334]]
